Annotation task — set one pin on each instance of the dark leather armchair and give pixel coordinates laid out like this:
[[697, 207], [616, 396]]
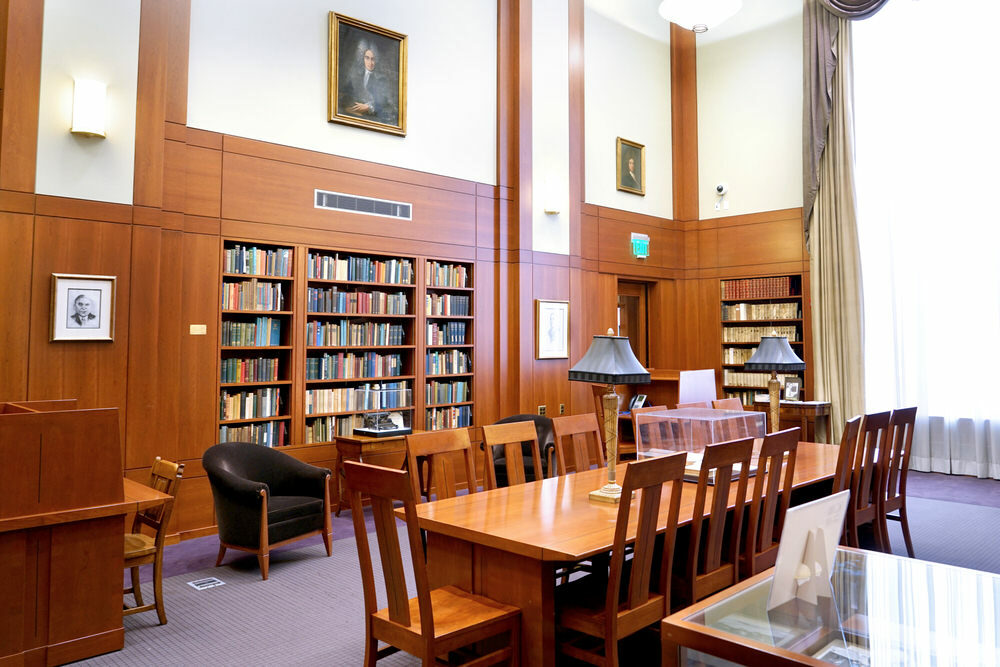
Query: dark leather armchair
[[265, 498], [546, 443]]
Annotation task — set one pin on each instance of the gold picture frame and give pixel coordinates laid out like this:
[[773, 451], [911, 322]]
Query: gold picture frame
[[551, 329], [83, 307], [367, 85], [630, 180]]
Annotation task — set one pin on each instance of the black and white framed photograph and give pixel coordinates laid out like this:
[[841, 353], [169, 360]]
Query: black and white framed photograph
[[551, 329], [83, 307], [792, 389], [367, 75]]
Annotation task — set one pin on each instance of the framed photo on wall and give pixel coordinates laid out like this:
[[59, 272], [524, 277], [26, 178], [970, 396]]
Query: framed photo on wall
[[630, 166], [792, 389], [83, 307], [551, 329], [367, 75]]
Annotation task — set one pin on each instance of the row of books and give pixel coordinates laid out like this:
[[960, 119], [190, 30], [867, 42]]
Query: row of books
[[447, 362], [749, 379], [262, 332], [446, 392], [746, 396], [737, 355], [447, 275], [446, 304], [343, 366], [269, 434], [760, 311], [753, 334], [454, 417], [361, 269], [263, 402], [332, 300], [325, 429], [758, 288], [345, 332], [257, 261], [446, 333], [260, 369], [252, 294], [365, 397]]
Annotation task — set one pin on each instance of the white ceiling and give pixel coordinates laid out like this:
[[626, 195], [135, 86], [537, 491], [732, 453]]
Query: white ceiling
[[641, 16]]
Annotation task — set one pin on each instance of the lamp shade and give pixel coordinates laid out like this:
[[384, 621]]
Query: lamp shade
[[609, 361], [698, 15], [774, 354]]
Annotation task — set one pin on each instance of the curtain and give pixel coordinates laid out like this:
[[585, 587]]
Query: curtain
[[927, 141], [834, 260]]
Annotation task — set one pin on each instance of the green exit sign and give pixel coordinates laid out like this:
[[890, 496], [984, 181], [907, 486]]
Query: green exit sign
[[640, 245]]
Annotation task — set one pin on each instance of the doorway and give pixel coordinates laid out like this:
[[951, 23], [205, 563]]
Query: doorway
[[632, 319]]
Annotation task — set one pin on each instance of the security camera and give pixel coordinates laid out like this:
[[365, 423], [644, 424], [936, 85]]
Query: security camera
[[721, 189]]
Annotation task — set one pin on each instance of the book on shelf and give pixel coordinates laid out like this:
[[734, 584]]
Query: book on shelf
[[252, 294], [347, 333], [255, 404], [397, 271], [387, 395], [335, 300], [268, 434], [239, 369], [446, 304], [262, 332], [446, 333], [447, 362], [774, 287], [351, 365], [446, 275], [257, 261], [451, 417], [753, 334], [446, 392]]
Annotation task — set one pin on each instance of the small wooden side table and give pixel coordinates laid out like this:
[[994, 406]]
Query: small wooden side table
[[813, 417], [389, 451]]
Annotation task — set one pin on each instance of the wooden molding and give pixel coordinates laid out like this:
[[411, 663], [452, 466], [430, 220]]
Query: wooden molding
[[21, 84], [684, 117]]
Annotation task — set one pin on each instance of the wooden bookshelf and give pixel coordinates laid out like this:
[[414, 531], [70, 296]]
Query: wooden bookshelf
[[751, 308], [360, 339], [448, 394], [256, 320]]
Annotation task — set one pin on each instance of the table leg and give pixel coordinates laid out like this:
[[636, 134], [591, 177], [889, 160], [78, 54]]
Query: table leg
[[671, 653]]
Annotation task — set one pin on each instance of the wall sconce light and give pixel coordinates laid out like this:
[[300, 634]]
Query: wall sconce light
[[89, 107]]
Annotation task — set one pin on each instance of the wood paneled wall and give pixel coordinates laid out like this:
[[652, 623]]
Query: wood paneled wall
[[194, 188]]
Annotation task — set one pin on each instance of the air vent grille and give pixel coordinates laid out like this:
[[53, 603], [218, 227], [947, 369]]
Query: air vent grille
[[338, 201]]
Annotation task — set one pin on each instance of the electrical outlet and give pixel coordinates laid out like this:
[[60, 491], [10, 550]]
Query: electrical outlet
[[562, 408], [541, 410]]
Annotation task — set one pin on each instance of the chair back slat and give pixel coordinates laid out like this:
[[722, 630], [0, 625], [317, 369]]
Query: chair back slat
[[868, 461], [772, 491], [165, 477], [714, 546], [846, 453], [439, 449], [901, 424], [577, 436], [511, 437], [385, 487]]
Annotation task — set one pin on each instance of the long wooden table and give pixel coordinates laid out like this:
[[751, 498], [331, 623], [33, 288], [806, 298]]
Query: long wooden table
[[507, 543]]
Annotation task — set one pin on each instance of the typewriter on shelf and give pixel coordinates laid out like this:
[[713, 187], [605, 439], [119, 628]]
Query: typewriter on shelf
[[383, 424]]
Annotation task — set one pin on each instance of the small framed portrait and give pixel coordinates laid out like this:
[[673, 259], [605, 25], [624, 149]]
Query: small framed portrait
[[551, 329], [83, 307], [792, 389], [367, 75], [631, 166]]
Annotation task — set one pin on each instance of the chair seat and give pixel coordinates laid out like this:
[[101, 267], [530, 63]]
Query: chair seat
[[582, 607], [454, 611], [283, 508], [138, 545]]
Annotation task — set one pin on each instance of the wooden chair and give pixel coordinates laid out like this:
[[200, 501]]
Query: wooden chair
[[772, 492], [650, 432], [727, 404], [436, 622], [579, 434], [694, 404], [626, 447], [439, 449], [635, 596], [866, 479], [511, 437], [142, 548], [845, 455], [714, 544], [894, 473]]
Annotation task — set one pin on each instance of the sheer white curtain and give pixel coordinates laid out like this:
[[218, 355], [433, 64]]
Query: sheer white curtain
[[928, 188]]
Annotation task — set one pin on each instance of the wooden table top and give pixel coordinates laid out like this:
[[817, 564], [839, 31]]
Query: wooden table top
[[142, 496], [554, 519]]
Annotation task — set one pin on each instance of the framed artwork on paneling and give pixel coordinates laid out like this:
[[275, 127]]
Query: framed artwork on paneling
[[367, 75], [630, 166], [551, 329], [791, 389], [83, 307]]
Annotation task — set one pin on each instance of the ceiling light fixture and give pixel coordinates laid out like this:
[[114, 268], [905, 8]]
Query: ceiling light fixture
[[698, 15]]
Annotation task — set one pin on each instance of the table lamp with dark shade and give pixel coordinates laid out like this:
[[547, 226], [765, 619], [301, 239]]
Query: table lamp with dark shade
[[774, 354], [610, 361]]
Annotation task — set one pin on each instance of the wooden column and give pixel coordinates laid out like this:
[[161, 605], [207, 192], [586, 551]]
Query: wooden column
[[684, 115]]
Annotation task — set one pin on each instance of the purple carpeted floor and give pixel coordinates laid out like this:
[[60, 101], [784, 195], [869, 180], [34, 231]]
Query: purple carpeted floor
[[200, 553]]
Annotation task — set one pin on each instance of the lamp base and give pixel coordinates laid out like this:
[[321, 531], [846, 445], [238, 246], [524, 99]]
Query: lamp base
[[609, 493]]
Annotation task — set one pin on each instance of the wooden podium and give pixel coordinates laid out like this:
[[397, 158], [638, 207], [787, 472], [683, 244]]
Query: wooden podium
[[62, 521]]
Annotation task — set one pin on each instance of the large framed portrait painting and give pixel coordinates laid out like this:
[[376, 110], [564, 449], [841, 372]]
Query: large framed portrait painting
[[630, 166], [83, 307], [367, 75]]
